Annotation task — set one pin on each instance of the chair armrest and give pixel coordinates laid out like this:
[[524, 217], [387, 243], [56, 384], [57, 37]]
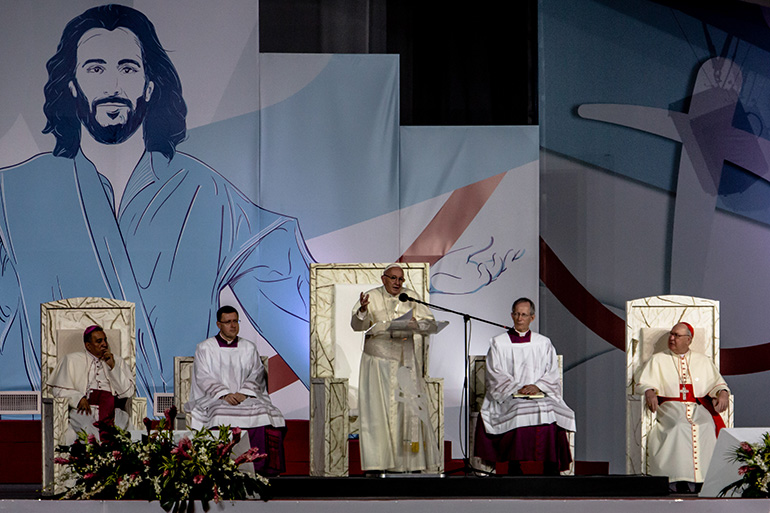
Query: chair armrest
[[435, 392], [137, 411], [329, 427], [647, 421]]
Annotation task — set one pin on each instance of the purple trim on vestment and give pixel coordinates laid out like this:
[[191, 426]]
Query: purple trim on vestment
[[106, 403], [518, 339], [223, 343]]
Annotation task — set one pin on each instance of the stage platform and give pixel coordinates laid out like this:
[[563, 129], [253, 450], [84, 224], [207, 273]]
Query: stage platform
[[451, 494], [416, 486], [425, 487], [411, 506]]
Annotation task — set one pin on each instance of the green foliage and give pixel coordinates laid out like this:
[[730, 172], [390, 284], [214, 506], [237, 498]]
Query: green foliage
[[755, 459], [157, 468]]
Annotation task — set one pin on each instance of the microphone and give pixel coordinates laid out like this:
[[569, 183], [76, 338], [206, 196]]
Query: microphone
[[403, 297]]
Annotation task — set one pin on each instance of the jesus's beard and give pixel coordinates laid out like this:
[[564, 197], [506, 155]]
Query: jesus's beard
[[111, 134]]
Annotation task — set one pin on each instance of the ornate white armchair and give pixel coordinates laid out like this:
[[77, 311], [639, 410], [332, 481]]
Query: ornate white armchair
[[478, 389], [648, 323], [61, 332], [335, 353]]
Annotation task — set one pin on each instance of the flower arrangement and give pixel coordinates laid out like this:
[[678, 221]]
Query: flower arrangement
[[157, 468], [755, 459]]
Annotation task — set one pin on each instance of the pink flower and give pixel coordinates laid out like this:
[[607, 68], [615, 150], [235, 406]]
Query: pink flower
[[184, 445], [236, 434], [61, 461], [116, 455], [747, 448], [179, 451], [225, 449], [170, 415], [198, 479], [166, 473], [92, 439], [744, 469], [90, 475], [250, 455]]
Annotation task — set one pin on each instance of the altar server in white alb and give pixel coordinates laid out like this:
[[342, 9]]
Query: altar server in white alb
[[93, 378], [524, 417], [229, 387], [395, 429], [687, 392]]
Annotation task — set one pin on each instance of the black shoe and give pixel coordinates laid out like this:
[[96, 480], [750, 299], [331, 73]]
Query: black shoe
[[684, 487], [551, 468], [514, 468]]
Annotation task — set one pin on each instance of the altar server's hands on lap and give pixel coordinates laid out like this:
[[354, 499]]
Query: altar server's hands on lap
[[234, 399], [529, 390]]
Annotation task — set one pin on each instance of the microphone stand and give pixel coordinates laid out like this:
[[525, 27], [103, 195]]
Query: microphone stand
[[467, 468]]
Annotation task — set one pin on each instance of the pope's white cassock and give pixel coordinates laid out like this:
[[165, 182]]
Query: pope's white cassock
[[76, 375], [396, 432], [683, 436], [511, 366], [219, 371]]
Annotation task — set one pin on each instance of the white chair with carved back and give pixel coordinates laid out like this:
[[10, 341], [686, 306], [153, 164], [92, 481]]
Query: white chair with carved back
[[648, 323], [335, 353], [62, 325]]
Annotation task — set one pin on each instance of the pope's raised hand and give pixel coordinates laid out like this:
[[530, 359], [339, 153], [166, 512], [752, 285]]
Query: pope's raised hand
[[364, 300]]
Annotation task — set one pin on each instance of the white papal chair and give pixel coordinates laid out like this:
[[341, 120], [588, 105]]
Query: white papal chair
[[648, 323], [61, 332]]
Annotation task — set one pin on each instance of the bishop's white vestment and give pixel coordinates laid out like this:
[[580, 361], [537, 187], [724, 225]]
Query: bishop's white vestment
[[682, 439], [219, 371], [76, 375], [395, 428]]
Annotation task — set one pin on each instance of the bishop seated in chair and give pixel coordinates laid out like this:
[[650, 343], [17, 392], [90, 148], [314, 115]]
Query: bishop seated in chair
[[95, 382], [688, 393]]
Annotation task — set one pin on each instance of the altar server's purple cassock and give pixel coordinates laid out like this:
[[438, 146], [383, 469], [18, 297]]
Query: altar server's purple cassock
[[229, 388], [524, 417]]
